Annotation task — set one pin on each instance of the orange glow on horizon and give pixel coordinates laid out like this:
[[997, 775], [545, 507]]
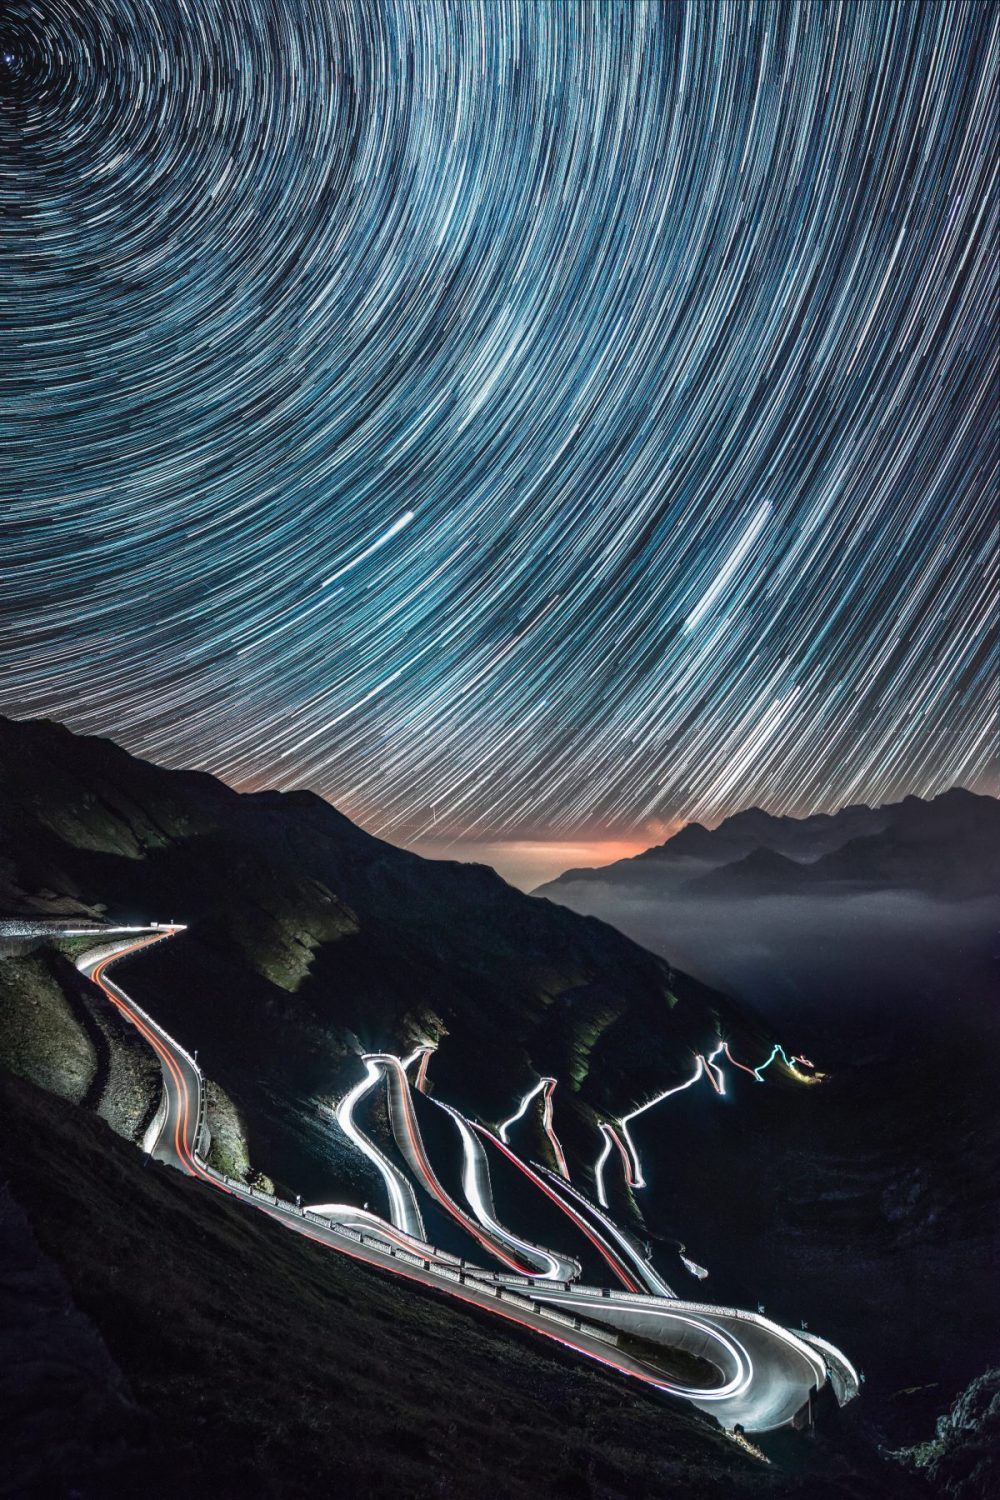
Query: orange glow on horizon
[[523, 862], [528, 863]]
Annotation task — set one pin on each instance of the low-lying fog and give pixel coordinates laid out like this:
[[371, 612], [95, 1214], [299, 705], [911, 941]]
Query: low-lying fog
[[835, 965]]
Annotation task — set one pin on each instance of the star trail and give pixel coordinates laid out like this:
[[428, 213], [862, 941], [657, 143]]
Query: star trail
[[511, 417]]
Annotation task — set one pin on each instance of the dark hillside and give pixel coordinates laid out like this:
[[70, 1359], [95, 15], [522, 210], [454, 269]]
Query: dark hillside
[[310, 941], [869, 939], [159, 1340]]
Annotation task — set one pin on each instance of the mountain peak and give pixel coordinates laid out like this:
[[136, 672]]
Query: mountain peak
[[806, 843]]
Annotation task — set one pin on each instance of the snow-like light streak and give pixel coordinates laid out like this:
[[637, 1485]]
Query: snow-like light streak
[[647, 1274], [638, 1179], [521, 1108], [404, 1211], [476, 1186]]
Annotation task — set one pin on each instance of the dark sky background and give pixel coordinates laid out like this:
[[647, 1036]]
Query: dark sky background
[[528, 425]]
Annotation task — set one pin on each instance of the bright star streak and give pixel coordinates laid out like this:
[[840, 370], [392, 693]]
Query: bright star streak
[[394, 530], [721, 583]]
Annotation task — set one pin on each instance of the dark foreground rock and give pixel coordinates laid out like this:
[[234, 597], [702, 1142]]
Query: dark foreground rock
[[169, 1341], [962, 1460]]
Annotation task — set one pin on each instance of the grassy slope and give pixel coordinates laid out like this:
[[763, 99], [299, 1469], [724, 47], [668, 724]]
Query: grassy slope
[[258, 1364]]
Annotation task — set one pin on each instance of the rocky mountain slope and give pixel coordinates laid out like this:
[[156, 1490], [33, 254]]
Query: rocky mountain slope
[[962, 1460], [310, 941]]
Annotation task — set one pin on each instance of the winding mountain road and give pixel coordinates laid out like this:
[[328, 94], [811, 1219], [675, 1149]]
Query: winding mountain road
[[765, 1376]]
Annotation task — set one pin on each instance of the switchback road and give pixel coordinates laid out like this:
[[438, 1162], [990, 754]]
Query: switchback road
[[764, 1375]]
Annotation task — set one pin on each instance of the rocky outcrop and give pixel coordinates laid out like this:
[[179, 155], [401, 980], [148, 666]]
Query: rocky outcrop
[[962, 1460], [229, 1151], [40, 1036], [59, 1031], [127, 1089]]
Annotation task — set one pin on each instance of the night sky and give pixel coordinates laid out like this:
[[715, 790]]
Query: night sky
[[525, 424]]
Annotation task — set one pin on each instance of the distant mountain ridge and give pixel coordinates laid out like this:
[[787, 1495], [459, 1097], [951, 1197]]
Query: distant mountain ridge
[[948, 845]]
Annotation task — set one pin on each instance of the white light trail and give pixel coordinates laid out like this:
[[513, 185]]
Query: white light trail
[[17, 928], [410, 1141], [602, 1196], [475, 1185], [505, 1127], [549, 1129], [637, 1178], [612, 1137], [703, 1319], [421, 1079], [776, 1051], [404, 1211], [713, 1072], [704, 1064], [649, 1277], [738, 1356], [547, 1084]]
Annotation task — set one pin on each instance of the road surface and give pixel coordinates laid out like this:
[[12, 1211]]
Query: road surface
[[764, 1375]]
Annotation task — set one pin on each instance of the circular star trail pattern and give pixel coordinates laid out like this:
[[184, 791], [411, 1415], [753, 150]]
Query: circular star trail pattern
[[507, 416]]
